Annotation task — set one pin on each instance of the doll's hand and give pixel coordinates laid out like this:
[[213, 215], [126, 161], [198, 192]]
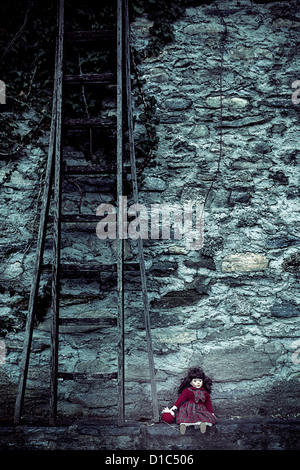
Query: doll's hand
[[166, 410], [169, 410]]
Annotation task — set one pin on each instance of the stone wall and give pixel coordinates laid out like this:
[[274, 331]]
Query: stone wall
[[232, 306]]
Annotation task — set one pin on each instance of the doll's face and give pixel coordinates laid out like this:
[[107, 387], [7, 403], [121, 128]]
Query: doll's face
[[197, 383]]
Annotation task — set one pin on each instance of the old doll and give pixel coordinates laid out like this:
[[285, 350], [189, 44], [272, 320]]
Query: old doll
[[193, 406]]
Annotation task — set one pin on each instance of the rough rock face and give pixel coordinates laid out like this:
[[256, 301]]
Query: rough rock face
[[231, 306]]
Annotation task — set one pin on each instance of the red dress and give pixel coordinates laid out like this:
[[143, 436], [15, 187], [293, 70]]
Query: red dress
[[194, 405]]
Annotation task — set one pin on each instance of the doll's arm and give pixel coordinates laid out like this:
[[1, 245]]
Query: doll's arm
[[182, 398], [209, 405]]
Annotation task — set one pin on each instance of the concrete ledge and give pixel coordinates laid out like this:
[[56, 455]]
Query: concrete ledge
[[247, 434]]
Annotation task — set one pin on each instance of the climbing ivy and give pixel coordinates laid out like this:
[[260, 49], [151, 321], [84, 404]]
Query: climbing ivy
[[147, 142], [162, 14], [27, 40]]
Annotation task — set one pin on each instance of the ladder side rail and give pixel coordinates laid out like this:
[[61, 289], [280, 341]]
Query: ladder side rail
[[120, 241], [56, 222], [136, 199], [38, 259]]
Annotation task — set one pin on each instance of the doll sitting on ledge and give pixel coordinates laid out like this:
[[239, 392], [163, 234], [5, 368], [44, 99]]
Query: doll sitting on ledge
[[193, 406]]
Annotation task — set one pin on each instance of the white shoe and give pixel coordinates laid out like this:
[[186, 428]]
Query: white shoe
[[203, 428], [182, 428]]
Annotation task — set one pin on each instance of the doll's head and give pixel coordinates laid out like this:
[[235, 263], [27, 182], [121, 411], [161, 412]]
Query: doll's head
[[195, 373]]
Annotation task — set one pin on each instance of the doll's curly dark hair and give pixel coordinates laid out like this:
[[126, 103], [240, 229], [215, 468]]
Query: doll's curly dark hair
[[195, 373]]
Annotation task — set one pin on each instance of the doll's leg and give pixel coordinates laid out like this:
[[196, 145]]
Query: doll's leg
[[183, 426], [201, 425], [198, 425]]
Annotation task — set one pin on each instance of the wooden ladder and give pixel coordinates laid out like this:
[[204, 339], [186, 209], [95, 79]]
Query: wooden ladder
[[53, 180]]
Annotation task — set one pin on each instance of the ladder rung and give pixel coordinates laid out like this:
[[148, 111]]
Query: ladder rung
[[88, 321], [86, 376], [98, 78], [83, 270], [91, 36], [89, 170], [99, 169], [83, 218], [109, 122]]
